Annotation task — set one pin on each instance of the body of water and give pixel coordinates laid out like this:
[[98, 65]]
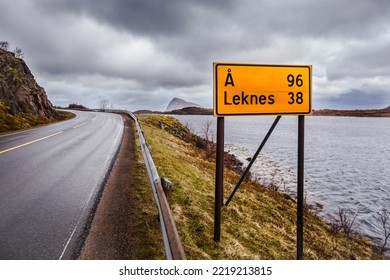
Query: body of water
[[347, 160]]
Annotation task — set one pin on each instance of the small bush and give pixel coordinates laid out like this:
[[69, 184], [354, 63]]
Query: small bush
[[9, 122]]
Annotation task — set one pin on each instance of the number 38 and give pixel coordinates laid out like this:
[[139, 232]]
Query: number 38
[[298, 98]]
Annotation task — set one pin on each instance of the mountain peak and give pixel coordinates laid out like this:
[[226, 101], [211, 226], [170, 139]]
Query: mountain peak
[[178, 103]]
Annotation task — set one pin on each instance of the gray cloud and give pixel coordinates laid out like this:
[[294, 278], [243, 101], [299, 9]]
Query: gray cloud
[[142, 53], [362, 59], [358, 99]]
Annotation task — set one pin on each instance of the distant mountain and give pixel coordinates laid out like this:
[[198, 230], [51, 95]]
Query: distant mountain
[[192, 111], [177, 104], [386, 109]]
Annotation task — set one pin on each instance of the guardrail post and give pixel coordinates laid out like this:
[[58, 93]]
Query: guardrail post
[[168, 188]]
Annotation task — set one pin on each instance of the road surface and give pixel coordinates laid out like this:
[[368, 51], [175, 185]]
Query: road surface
[[50, 178]]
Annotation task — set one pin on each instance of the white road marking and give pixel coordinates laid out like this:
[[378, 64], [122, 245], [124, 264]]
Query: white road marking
[[81, 124], [28, 143]]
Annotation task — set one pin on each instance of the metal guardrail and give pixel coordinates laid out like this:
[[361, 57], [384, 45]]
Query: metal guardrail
[[172, 244]]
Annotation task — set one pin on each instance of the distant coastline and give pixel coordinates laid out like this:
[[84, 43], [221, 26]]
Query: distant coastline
[[323, 112], [184, 111], [353, 113]]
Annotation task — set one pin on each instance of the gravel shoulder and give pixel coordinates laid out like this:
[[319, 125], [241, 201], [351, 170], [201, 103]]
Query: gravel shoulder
[[113, 233]]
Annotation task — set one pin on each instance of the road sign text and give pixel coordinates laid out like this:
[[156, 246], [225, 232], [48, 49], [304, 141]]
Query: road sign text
[[250, 89]]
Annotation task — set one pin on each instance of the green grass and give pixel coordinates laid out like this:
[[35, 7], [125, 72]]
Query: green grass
[[63, 116], [10, 122], [149, 240], [259, 223]]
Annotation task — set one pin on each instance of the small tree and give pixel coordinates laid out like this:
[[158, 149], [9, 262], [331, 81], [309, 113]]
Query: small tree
[[384, 217], [345, 221], [4, 45], [103, 104], [18, 53], [207, 132], [208, 135]]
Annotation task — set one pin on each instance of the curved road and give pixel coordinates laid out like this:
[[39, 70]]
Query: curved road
[[50, 178]]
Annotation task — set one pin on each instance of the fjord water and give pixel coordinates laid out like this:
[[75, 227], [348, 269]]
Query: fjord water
[[347, 160]]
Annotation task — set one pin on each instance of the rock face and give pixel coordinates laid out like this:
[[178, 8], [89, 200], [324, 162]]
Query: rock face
[[177, 103], [19, 90]]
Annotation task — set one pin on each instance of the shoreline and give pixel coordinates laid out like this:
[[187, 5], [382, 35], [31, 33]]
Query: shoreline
[[183, 158], [281, 177]]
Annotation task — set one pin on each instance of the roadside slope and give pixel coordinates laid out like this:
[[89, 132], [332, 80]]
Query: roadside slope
[[258, 224]]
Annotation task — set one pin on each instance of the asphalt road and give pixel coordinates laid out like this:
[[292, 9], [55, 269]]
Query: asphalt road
[[50, 178]]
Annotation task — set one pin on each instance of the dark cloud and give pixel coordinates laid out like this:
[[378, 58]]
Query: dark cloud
[[358, 99], [143, 17], [145, 52], [335, 18]]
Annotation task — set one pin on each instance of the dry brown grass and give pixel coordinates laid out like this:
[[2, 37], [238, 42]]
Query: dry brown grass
[[258, 224]]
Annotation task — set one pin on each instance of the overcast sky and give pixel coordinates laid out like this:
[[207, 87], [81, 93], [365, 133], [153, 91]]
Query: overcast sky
[[139, 54]]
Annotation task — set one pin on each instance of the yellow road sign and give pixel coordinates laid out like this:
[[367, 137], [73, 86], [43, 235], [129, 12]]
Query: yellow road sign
[[255, 89]]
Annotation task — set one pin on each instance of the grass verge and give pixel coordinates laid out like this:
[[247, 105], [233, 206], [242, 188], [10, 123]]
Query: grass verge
[[149, 239], [258, 224], [9, 122]]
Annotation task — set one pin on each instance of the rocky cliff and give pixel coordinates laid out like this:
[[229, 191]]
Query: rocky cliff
[[19, 90]]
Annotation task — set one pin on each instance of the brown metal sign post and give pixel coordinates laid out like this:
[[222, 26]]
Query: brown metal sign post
[[256, 89], [300, 183], [220, 163]]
